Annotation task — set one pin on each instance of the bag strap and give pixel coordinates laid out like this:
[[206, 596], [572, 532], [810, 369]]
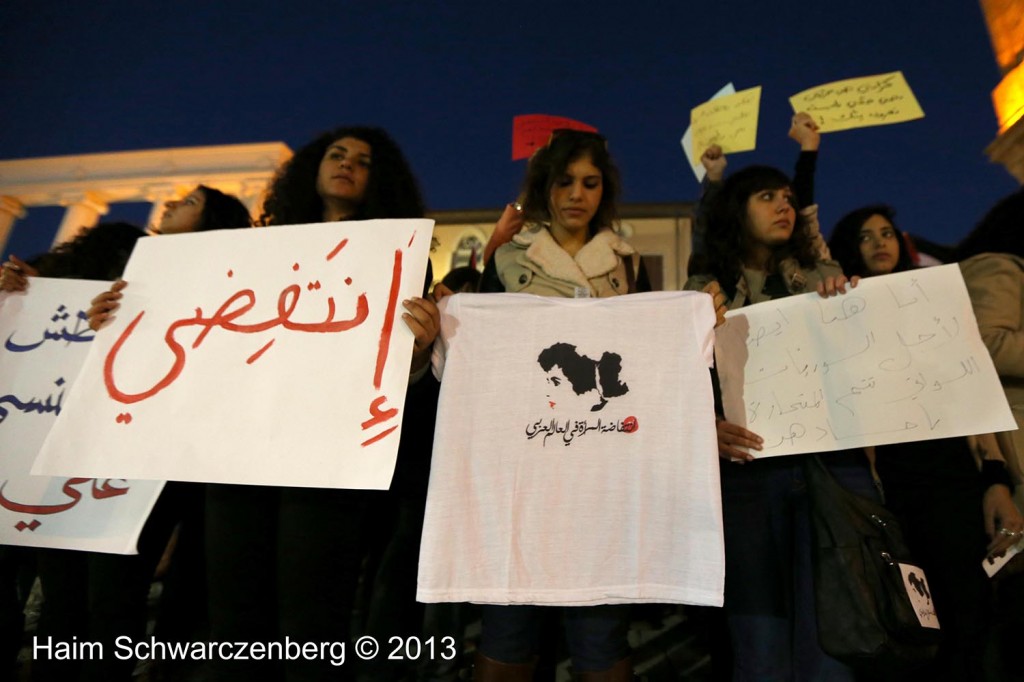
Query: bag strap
[[817, 474], [832, 507], [630, 276]]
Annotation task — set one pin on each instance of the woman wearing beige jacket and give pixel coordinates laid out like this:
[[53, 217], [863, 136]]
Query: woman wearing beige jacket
[[992, 262]]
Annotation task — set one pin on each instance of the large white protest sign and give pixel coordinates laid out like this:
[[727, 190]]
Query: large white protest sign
[[46, 337], [575, 459], [272, 356], [898, 358]]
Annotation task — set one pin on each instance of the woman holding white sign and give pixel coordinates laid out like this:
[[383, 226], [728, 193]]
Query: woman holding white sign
[[96, 596], [759, 248], [284, 562], [934, 486], [69, 577]]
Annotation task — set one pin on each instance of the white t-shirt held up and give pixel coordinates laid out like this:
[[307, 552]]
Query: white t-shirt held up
[[575, 458]]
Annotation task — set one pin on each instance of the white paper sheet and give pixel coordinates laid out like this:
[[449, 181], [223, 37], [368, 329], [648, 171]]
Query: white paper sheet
[[272, 356], [897, 359], [45, 338]]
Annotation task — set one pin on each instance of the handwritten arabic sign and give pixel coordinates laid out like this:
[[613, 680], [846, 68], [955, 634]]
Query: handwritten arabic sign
[[687, 140], [275, 356], [859, 102], [897, 359], [729, 121], [45, 338], [598, 413]]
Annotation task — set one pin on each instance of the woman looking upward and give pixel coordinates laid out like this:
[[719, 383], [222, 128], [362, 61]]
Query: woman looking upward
[[760, 248]]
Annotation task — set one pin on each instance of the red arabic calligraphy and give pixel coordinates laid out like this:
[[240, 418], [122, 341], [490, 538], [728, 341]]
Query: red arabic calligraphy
[[99, 492], [389, 320], [224, 318]]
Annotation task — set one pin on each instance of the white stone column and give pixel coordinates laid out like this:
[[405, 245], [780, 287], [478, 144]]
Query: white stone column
[[251, 194], [82, 211], [10, 210]]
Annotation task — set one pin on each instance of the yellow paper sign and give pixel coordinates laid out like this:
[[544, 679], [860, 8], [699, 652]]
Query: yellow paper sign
[[859, 102], [730, 122]]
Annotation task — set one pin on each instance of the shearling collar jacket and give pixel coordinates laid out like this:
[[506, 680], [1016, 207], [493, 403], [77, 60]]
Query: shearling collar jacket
[[534, 263]]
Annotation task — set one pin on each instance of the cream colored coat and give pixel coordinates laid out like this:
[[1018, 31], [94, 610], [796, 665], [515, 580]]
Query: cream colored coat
[[750, 285], [995, 282], [534, 263]]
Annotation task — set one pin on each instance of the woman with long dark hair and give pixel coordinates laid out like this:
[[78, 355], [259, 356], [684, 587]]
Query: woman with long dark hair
[[97, 254], [866, 242], [96, 596], [202, 209], [934, 486], [569, 247], [759, 248], [284, 562]]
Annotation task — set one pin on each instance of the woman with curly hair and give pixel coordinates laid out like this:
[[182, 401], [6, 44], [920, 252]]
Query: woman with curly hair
[[759, 249], [202, 209], [284, 562], [352, 173], [100, 254], [96, 596]]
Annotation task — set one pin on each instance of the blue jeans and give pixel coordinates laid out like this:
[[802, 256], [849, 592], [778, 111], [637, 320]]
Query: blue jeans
[[596, 634], [769, 586]]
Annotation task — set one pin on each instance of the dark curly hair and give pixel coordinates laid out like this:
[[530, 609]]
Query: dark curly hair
[[728, 219], [550, 162], [391, 192], [1000, 231], [465, 278], [845, 240], [221, 211], [99, 252]]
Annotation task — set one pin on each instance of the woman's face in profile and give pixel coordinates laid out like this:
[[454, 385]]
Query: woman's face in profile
[[182, 215], [559, 388], [562, 396]]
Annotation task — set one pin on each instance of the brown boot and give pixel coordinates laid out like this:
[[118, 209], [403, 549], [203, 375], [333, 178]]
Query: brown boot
[[620, 672], [489, 670]]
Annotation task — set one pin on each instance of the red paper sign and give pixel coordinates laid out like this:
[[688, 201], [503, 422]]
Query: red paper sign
[[531, 131]]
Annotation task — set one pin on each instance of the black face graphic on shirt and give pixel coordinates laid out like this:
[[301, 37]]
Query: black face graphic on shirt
[[920, 586], [573, 377]]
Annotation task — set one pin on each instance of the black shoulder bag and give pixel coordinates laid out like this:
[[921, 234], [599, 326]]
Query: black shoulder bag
[[873, 604]]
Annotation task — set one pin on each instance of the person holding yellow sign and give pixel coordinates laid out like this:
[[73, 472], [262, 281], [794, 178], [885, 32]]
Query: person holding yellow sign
[[805, 132]]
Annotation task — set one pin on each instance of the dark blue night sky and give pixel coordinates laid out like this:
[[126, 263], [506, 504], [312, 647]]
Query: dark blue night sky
[[447, 78]]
